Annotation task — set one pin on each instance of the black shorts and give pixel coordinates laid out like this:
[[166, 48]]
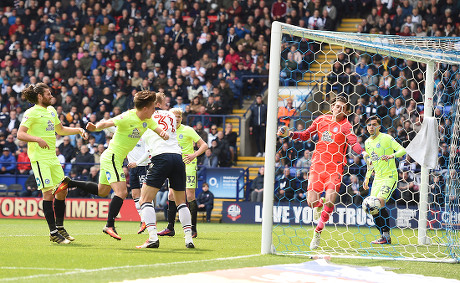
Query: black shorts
[[167, 165], [137, 176]]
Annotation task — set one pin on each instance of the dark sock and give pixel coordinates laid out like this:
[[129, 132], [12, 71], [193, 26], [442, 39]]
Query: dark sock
[[379, 222], [114, 209], [89, 187], [59, 211], [49, 214], [193, 211], [386, 220], [172, 209]]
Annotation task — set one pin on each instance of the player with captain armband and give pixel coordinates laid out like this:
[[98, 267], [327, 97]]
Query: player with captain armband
[[138, 161], [334, 135], [380, 153]]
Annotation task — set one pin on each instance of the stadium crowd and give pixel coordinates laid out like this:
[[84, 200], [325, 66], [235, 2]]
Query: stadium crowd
[[206, 56]]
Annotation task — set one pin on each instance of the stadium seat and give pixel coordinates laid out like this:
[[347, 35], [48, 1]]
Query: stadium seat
[[14, 190], [3, 190]]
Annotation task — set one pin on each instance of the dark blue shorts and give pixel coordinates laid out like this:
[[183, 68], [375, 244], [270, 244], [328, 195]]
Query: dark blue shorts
[[167, 165], [137, 176]]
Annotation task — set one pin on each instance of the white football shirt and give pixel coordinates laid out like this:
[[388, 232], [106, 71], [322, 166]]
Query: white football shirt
[[140, 152], [156, 145]]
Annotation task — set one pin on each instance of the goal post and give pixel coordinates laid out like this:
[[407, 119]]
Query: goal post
[[425, 215]]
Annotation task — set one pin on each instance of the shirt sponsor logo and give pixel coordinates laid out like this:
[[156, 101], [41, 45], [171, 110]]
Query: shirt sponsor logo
[[327, 137], [50, 127], [39, 184], [135, 134]]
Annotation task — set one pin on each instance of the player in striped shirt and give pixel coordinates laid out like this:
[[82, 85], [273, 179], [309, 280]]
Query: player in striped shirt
[[38, 128], [335, 133]]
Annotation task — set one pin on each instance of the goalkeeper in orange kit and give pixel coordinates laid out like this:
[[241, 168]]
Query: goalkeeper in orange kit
[[335, 133]]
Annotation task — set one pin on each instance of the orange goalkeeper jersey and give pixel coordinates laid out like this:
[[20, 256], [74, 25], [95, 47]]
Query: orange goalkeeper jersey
[[333, 139]]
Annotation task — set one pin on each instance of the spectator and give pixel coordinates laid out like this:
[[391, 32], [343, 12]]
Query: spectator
[[76, 192], [305, 160], [257, 124], [355, 190], [205, 201], [286, 112], [162, 196], [24, 166], [7, 162], [31, 188], [10, 143], [224, 149], [83, 160], [257, 187], [67, 149], [230, 136], [407, 188], [286, 188], [60, 157]]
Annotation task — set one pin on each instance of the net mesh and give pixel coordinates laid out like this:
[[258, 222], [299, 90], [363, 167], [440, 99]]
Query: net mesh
[[383, 76]]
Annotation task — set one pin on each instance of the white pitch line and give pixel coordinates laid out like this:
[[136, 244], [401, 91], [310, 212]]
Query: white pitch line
[[81, 271], [36, 268]]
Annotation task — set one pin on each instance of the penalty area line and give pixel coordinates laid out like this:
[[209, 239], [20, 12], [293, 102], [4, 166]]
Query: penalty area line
[[82, 271]]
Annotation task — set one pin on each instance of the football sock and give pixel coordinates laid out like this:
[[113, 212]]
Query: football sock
[[193, 211], [89, 187], [172, 209], [324, 218], [185, 219], [386, 220], [59, 211], [138, 206], [49, 215], [114, 209], [379, 222], [150, 218], [319, 203]]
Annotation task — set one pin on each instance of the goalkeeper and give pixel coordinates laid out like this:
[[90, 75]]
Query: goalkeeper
[[334, 135], [380, 153]]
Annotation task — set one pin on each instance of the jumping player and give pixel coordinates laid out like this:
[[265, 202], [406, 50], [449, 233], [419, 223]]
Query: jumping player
[[381, 151], [186, 136], [38, 128], [334, 134], [166, 162]]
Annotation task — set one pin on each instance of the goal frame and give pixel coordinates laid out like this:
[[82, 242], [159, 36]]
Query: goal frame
[[273, 89]]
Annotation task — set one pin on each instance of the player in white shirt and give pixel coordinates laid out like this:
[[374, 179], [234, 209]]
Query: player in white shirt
[[138, 161], [166, 162]]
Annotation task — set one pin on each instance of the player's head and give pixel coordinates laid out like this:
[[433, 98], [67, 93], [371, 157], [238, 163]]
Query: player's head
[[177, 112], [339, 107], [144, 101], [373, 124], [38, 94], [161, 101]]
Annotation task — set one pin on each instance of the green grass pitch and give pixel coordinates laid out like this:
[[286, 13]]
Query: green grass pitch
[[26, 255]]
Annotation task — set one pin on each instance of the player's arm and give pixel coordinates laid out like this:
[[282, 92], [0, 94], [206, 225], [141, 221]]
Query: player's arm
[[305, 135], [163, 134], [143, 158], [352, 140], [100, 125], [65, 131], [202, 146], [24, 136], [370, 169], [399, 150]]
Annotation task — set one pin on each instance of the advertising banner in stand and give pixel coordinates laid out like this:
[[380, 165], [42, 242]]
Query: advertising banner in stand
[[284, 213], [223, 182], [77, 209]]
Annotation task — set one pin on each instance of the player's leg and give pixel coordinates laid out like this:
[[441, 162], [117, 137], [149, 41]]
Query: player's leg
[[43, 177], [177, 178], [191, 184], [120, 193], [314, 191], [57, 174], [148, 193], [172, 210], [383, 188]]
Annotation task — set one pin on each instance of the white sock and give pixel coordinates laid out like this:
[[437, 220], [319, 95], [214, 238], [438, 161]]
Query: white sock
[[185, 219], [150, 218], [138, 206]]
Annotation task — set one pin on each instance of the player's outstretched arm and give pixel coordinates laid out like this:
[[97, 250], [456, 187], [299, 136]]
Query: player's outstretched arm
[[100, 125], [24, 136], [65, 131]]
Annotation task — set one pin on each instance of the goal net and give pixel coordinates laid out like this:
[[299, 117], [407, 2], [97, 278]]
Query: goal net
[[401, 80]]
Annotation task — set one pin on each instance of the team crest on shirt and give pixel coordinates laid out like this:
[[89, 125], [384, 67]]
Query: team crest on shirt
[[50, 127], [135, 134], [144, 124], [335, 130], [107, 174], [327, 136], [52, 114], [47, 181], [377, 145], [181, 136]]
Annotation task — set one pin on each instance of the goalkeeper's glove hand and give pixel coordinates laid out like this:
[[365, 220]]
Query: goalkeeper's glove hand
[[283, 131]]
